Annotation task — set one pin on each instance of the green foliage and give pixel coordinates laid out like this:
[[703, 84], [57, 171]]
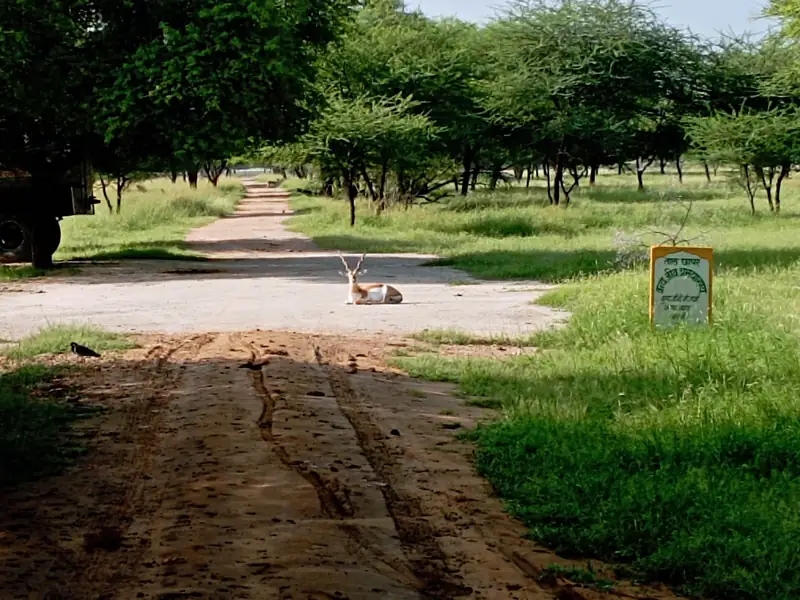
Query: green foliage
[[33, 436], [672, 452], [164, 86], [56, 339], [154, 223]]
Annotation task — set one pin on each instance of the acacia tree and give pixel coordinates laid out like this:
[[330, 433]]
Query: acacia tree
[[352, 135], [388, 52], [763, 144], [592, 81]]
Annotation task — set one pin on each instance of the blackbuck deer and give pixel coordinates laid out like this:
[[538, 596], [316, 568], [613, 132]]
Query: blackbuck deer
[[370, 293]]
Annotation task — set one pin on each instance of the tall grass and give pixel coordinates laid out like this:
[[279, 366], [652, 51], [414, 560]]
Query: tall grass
[[154, 220], [673, 453]]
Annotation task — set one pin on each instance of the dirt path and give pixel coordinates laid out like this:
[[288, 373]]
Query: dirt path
[[263, 276], [318, 474]]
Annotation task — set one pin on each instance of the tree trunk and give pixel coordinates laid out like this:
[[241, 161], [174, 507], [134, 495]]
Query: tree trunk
[[751, 193], [466, 163], [496, 177], [641, 167], [663, 164], [619, 168], [105, 194], [593, 174], [191, 175], [785, 170], [767, 183], [528, 180], [679, 167], [384, 173], [173, 174], [122, 181], [474, 180], [371, 188], [708, 172], [546, 168], [352, 194], [558, 180], [214, 170]]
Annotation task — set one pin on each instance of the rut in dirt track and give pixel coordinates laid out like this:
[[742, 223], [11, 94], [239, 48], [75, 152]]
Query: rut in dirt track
[[313, 473]]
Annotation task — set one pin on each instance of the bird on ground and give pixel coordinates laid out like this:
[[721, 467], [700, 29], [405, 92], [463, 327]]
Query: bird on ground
[[83, 350]]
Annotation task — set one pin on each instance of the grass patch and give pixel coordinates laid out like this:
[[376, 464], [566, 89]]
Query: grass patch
[[673, 453], [56, 339], [33, 439], [455, 337], [17, 272], [153, 222], [515, 234]]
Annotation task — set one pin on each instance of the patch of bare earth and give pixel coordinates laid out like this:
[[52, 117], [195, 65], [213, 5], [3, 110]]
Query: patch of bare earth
[[270, 465]]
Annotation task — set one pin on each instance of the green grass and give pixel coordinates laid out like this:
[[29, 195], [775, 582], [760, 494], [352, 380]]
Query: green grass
[[153, 222], [18, 272], [515, 234], [33, 437], [55, 339], [461, 338], [673, 453]]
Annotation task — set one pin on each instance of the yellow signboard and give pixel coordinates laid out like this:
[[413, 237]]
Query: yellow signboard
[[680, 285]]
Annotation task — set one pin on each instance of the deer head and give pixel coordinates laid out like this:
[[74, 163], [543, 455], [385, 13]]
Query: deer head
[[352, 274]]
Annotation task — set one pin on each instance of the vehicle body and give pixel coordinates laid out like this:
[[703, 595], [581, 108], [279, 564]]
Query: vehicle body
[[31, 208]]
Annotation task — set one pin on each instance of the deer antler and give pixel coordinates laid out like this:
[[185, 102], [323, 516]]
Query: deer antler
[[360, 260], [344, 262]]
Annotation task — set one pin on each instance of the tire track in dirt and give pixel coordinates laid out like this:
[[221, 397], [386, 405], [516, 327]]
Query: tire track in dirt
[[334, 495], [426, 558], [140, 500], [334, 499]]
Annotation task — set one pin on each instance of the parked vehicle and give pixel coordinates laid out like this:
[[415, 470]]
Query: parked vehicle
[[30, 211]]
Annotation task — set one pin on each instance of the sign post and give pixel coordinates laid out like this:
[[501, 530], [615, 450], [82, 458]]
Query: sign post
[[680, 285]]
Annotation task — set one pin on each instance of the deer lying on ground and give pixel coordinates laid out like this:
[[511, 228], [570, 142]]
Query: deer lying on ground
[[370, 293]]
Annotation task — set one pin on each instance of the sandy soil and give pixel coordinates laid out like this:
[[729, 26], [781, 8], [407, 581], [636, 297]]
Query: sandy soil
[[263, 276], [318, 473]]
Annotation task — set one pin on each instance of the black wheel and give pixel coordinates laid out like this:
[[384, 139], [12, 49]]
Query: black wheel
[[15, 239]]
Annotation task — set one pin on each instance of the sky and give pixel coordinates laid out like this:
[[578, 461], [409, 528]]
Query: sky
[[704, 17]]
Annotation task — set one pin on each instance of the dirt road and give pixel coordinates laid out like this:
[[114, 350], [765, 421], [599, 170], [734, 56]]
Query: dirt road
[[318, 473], [260, 275]]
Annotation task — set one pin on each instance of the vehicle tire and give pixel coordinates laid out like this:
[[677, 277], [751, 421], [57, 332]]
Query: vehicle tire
[[15, 239]]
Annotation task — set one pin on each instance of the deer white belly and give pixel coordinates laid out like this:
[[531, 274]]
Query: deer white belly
[[377, 295]]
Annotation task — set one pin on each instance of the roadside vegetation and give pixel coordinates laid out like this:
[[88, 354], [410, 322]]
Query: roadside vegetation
[[554, 143], [152, 223], [37, 406], [56, 339], [32, 441], [675, 453]]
